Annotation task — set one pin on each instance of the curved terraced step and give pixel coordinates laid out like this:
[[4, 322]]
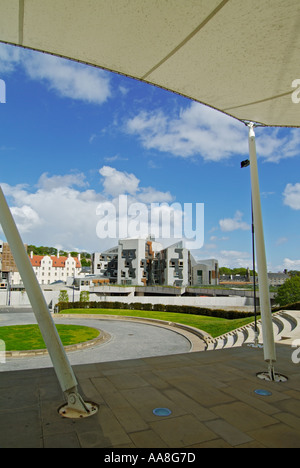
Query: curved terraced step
[[231, 339], [240, 338], [292, 330], [289, 325], [286, 324], [250, 330]]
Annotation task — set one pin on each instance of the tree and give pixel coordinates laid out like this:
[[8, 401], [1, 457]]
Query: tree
[[294, 273], [225, 271], [84, 296], [63, 296], [85, 262], [289, 292]]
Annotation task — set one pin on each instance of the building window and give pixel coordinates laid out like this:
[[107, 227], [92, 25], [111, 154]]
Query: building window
[[199, 276]]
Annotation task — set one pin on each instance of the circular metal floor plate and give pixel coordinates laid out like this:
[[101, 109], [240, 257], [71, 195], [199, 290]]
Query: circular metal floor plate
[[262, 392], [162, 412]]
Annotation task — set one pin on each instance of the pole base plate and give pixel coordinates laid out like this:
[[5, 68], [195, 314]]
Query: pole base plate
[[272, 377], [69, 412], [77, 408]]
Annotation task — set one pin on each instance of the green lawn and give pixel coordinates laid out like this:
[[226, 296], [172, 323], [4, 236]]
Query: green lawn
[[213, 325], [28, 337]]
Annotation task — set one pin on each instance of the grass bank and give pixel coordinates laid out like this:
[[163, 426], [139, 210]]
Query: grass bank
[[28, 337], [215, 326]]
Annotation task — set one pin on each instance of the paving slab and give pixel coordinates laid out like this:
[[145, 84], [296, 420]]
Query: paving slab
[[211, 396]]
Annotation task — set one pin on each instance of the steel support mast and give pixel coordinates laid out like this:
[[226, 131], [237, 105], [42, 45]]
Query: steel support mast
[[57, 353], [264, 295]]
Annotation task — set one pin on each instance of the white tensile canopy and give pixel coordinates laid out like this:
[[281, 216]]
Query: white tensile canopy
[[239, 57]]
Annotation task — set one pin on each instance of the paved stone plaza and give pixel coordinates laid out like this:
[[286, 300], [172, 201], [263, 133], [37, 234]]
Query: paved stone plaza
[[211, 395]]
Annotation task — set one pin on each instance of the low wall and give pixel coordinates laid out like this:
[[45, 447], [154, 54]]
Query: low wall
[[182, 300], [18, 298]]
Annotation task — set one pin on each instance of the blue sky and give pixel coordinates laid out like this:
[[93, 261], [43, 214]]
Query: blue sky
[[73, 137]]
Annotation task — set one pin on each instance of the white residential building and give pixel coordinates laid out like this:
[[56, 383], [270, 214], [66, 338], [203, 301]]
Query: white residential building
[[49, 269]]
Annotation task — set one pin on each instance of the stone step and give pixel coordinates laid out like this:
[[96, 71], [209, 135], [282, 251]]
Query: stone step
[[285, 324]]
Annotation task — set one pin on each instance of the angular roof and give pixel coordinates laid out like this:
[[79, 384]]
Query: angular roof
[[59, 262], [239, 57], [36, 260]]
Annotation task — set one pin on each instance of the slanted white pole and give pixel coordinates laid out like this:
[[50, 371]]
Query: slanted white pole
[[48, 330], [265, 304]]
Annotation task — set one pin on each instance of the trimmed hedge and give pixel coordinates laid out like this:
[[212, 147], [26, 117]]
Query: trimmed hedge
[[226, 314], [295, 306]]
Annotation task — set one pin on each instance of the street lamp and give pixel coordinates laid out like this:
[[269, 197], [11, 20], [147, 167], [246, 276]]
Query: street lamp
[[245, 163]]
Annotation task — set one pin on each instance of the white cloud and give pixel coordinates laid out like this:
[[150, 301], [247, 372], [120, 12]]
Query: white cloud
[[291, 196], [26, 218], [198, 130], [201, 131], [232, 224], [55, 212], [227, 258], [116, 183], [49, 183], [234, 259], [9, 58], [68, 79], [114, 158], [291, 264], [281, 240], [62, 210], [272, 146], [151, 195]]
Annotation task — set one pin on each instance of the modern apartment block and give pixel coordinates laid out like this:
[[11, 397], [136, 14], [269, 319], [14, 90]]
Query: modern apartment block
[[204, 272], [174, 266], [105, 264], [136, 259], [144, 262]]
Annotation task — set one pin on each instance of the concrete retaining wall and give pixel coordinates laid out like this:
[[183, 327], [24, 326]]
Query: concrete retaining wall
[[18, 298]]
